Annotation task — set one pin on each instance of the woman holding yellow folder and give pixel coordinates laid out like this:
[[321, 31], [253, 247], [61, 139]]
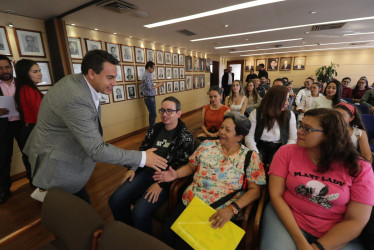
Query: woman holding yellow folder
[[223, 176]]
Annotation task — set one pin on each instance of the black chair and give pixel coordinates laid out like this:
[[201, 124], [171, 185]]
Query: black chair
[[368, 121], [349, 100], [363, 109]]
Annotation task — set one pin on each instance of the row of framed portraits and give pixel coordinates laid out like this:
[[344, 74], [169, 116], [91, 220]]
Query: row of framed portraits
[[132, 54], [125, 92], [276, 63], [29, 43]]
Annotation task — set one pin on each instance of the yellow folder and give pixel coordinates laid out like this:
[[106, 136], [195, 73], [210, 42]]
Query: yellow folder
[[194, 228]]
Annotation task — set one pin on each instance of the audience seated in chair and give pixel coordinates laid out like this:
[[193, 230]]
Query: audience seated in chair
[[219, 167], [306, 102], [254, 99], [237, 101], [174, 142], [321, 191], [331, 96], [368, 100]]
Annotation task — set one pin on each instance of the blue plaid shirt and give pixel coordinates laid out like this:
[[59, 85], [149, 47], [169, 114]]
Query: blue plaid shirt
[[147, 84]]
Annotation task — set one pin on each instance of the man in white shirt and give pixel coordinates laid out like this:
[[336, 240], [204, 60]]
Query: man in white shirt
[[304, 92]]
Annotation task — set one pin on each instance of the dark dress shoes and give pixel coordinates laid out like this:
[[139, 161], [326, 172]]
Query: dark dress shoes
[[4, 196]]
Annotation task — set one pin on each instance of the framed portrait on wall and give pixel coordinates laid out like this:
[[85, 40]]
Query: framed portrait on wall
[[188, 82], [118, 93], [195, 64], [196, 84], [113, 49], [92, 44], [167, 58], [181, 60], [4, 42], [154, 74], [202, 81], [299, 62], [175, 73], [30, 43], [207, 65], [176, 86], [77, 68], [273, 64], [150, 55], [259, 61], [105, 99], [129, 73], [181, 73], [160, 57], [188, 63], [119, 77], [131, 91], [140, 92], [175, 59], [75, 47], [162, 89], [140, 72], [46, 75], [249, 64], [181, 86], [156, 89], [285, 63], [161, 73], [168, 73], [139, 55], [127, 53], [202, 64], [169, 87]]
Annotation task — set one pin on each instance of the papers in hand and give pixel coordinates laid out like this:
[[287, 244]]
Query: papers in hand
[[194, 228], [8, 103]]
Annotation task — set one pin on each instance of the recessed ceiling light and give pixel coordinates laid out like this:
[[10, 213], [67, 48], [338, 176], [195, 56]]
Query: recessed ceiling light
[[249, 44], [283, 28], [226, 25], [96, 29], [357, 34], [246, 39], [130, 36], [213, 12], [115, 33], [307, 32], [313, 12], [304, 42], [307, 50], [301, 46], [73, 24]]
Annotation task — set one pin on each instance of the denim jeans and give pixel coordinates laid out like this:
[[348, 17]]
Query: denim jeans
[[275, 235], [133, 193], [150, 102]]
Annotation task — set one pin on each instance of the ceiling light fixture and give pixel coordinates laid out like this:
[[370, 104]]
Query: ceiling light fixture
[[313, 12], [73, 24], [284, 28], [307, 50], [301, 46], [213, 12], [357, 34], [10, 25], [96, 29], [115, 33], [226, 25], [249, 44]]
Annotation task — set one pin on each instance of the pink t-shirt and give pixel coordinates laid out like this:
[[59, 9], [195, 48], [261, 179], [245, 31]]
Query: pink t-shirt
[[317, 200]]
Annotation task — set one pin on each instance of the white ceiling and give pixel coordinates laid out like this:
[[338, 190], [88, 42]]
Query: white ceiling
[[287, 13]]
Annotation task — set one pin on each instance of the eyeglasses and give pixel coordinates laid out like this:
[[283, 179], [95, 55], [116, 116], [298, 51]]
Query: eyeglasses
[[306, 129], [167, 111]]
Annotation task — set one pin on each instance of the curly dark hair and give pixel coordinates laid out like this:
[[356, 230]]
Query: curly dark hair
[[272, 107], [337, 146]]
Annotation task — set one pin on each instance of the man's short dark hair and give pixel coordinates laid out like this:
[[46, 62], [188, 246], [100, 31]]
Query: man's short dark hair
[[278, 80], [347, 78], [149, 64], [2, 57], [261, 65], [178, 105], [256, 77], [95, 59]]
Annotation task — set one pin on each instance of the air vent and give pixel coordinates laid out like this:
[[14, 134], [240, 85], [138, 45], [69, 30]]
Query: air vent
[[355, 44], [278, 45], [187, 32], [232, 49], [327, 26], [117, 5]]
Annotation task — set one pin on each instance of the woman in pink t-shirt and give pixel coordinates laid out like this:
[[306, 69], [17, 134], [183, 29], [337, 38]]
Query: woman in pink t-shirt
[[321, 190]]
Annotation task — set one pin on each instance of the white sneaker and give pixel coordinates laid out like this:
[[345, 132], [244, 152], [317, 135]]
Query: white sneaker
[[38, 195]]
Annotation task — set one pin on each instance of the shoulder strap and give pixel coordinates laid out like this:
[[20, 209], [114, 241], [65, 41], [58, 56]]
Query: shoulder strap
[[228, 197]]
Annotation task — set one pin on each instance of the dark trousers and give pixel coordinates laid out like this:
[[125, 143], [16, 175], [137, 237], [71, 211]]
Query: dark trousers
[[150, 102], [25, 132], [134, 192], [83, 195], [226, 91], [267, 151], [8, 132]]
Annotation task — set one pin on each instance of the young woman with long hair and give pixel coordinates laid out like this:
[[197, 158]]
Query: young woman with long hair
[[361, 87], [28, 98], [254, 99], [236, 101], [272, 125], [213, 114], [355, 128], [321, 190], [331, 96]]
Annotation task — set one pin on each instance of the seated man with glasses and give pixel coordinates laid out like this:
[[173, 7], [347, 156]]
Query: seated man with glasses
[[174, 142]]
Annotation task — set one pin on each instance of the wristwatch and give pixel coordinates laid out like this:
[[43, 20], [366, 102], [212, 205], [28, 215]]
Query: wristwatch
[[234, 207]]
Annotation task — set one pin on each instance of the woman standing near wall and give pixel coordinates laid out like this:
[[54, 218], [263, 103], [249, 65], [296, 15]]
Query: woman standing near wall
[[28, 98], [236, 100]]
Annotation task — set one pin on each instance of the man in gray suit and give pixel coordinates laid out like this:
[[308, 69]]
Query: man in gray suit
[[67, 140]]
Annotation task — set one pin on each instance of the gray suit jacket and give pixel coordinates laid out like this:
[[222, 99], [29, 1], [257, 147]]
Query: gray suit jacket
[[66, 142]]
